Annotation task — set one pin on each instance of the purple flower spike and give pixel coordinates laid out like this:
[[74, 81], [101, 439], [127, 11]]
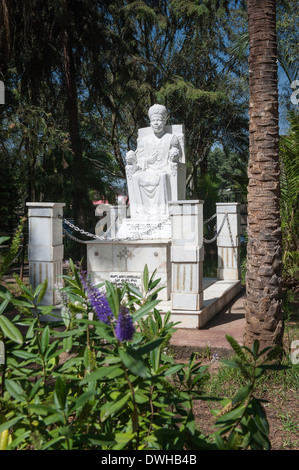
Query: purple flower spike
[[100, 305], [97, 299], [124, 328]]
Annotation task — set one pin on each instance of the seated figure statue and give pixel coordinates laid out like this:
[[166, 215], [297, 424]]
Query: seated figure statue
[[150, 168]]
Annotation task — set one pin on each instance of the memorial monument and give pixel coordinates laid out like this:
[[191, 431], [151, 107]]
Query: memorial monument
[[156, 175], [156, 180], [161, 229]]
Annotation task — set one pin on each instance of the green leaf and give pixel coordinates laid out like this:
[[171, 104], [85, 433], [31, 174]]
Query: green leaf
[[231, 415], [27, 292], [122, 439], [40, 410], [101, 440], [146, 308], [10, 330], [173, 369], [15, 390], [76, 308], [110, 409], [146, 348], [35, 389], [52, 442], [84, 398], [255, 348], [104, 331], [47, 310], [54, 417], [10, 423], [190, 423], [140, 397], [3, 306], [19, 440], [155, 359], [5, 294], [25, 355], [242, 394], [60, 394], [4, 239], [52, 351], [104, 373], [112, 297], [260, 416], [136, 365], [67, 343], [75, 272], [45, 340], [40, 291], [261, 440], [151, 281], [145, 278], [133, 289]]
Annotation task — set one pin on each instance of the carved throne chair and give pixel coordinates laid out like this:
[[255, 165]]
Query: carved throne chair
[[177, 175]]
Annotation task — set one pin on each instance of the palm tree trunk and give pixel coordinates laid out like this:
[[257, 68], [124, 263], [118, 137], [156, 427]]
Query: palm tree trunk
[[264, 265]]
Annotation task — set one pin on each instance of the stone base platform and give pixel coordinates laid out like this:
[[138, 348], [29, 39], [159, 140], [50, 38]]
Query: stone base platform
[[216, 295]]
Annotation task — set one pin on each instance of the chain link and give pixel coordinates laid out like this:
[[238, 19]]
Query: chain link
[[209, 220], [221, 227], [136, 237], [105, 238], [80, 230]]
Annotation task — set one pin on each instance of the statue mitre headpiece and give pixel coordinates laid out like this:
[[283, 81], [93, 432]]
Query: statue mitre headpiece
[[157, 109]]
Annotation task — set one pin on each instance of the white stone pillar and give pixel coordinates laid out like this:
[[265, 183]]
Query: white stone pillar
[[228, 241], [186, 255], [45, 250]]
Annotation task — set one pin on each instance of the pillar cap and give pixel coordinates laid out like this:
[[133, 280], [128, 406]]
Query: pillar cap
[[191, 201], [45, 204]]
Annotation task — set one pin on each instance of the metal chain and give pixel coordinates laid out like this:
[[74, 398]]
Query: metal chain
[[83, 232], [105, 238], [217, 234], [73, 238], [211, 218], [136, 237]]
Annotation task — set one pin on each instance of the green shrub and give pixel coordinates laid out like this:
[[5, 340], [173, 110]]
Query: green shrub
[[100, 376]]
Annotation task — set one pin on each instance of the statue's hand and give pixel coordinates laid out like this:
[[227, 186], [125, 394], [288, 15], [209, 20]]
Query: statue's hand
[[174, 154], [130, 157]]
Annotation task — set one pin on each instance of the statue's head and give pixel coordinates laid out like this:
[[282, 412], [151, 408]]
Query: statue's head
[[158, 116], [158, 109]]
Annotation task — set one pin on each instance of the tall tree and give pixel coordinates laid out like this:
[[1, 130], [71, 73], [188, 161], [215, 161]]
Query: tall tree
[[80, 191], [264, 265], [201, 86]]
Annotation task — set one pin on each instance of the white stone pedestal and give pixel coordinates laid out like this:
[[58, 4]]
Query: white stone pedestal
[[45, 251], [228, 241], [124, 261], [187, 255]]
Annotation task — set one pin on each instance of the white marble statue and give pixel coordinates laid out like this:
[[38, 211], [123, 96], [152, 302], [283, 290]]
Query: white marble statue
[[152, 168]]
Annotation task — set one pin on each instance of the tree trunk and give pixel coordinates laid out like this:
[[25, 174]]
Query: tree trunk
[[79, 180], [81, 204], [264, 265]]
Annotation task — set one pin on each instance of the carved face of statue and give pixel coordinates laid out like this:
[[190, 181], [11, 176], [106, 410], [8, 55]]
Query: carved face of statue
[[157, 123]]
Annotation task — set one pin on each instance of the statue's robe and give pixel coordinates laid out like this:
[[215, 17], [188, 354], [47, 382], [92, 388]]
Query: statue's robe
[[151, 182]]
